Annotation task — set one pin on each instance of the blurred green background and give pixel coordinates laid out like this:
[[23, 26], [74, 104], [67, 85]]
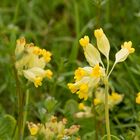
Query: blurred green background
[[57, 25]]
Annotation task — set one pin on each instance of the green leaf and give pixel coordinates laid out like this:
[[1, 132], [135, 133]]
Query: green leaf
[[71, 107], [7, 126], [50, 103]]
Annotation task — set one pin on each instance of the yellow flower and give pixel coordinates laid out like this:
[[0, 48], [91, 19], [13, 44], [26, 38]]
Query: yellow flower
[[81, 106], [72, 87], [32, 62], [102, 42], [79, 73], [96, 101], [48, 73], [33, 77], [83, 92], [47, 55], [138, 98], [37, 50], [126, 49], [84, 41], [33, 128], [38, 81], [96, 71], [128, 46], [115, 96]]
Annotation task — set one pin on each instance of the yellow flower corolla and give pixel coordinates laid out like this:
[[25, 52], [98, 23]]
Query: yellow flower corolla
[[33, 128], [115, 98], [47, 55], [79, 73], [96, 101], [128, 46], [72, 87], [38, 81], [83, 92], [31, 61], [122, 54], [96, 71], [102, 42], [37, 50], [138, 98], [84, 41], [48, 73], [81, 106]]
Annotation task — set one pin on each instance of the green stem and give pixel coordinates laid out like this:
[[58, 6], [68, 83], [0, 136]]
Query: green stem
[[25, 111], [111, 69], [19, 99], [107, 110], [107, 66]]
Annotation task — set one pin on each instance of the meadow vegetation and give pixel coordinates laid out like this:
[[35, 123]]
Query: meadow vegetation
[[70, 70]]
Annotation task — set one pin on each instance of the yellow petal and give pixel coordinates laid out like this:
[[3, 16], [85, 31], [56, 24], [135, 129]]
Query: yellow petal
[[84, 41]]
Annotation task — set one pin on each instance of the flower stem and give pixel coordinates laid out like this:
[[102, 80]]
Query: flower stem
[[111, 69], [25, 110], [107, 111]]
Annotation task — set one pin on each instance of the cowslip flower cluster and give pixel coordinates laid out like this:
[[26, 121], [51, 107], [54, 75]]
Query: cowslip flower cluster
[[31, 62], [113, 99], [53, 129], [89, 77]]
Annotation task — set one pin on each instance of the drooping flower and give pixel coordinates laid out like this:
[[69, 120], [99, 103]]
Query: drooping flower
[[122, 54], [91, 53], [102, 42], [31, 62]]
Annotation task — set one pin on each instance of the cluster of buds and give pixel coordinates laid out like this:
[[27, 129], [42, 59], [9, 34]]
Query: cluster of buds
[[53, 129], [31, 62], [89, 77]]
